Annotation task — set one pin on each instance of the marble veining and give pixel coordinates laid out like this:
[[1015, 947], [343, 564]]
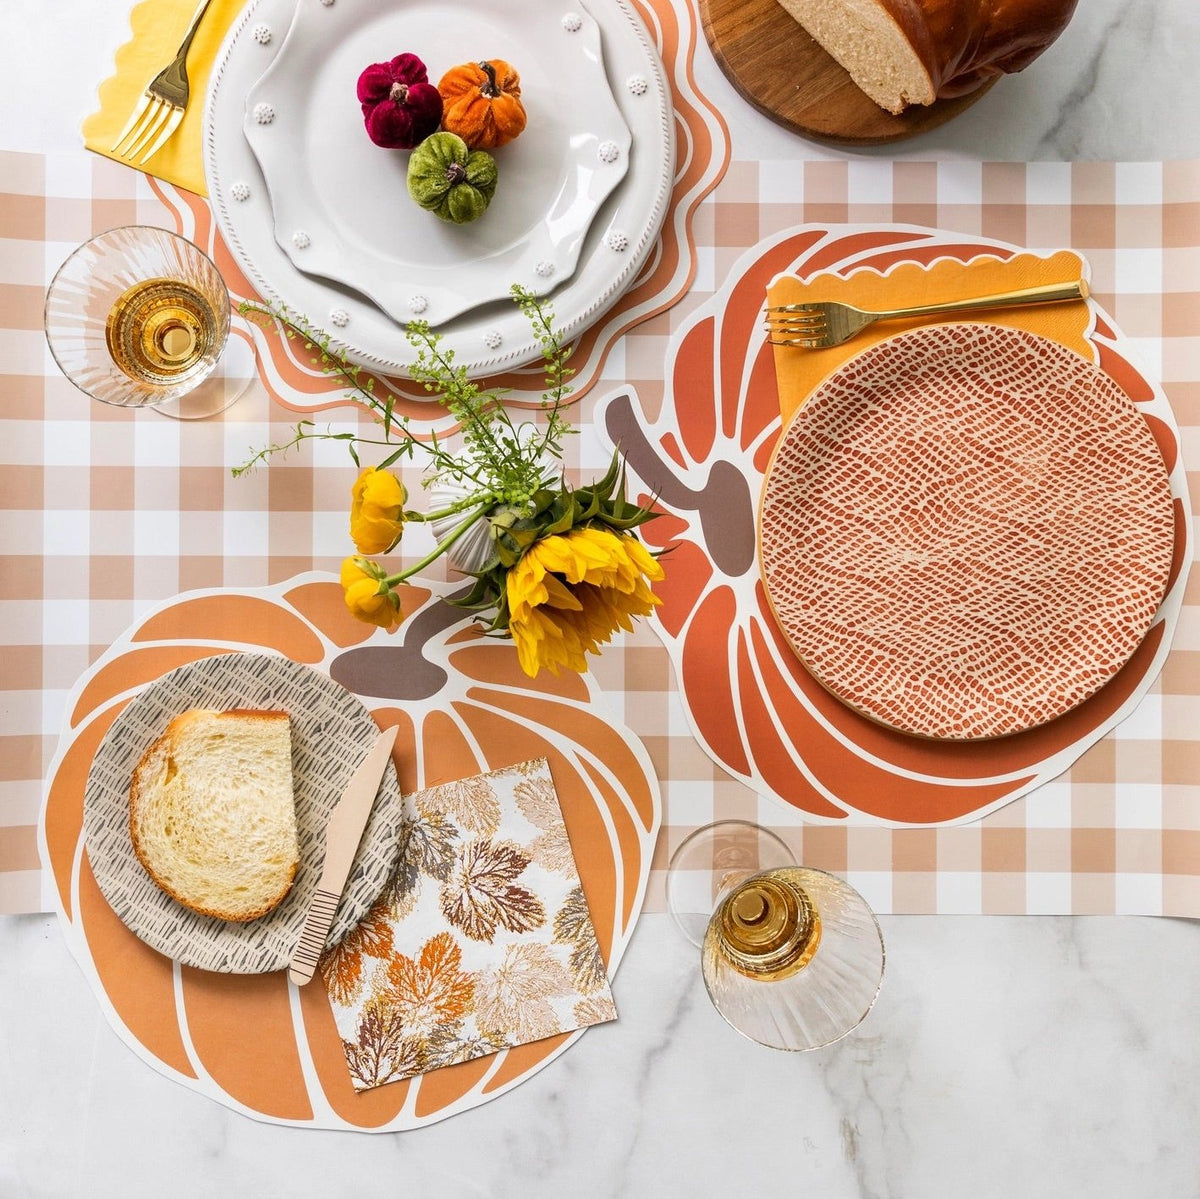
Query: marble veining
[[1007, 1056]]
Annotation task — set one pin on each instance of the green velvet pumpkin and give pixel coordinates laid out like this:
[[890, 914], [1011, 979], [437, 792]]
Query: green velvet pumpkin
[[450, 179]]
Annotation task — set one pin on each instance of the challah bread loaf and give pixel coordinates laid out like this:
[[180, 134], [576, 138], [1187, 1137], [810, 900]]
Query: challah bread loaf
[[903, 52], [212, 815]]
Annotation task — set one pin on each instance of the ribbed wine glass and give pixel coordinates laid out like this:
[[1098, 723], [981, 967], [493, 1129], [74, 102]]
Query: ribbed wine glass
[[140, 317], [792, 956]]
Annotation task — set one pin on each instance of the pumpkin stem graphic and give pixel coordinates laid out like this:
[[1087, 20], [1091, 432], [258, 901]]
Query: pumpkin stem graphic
[[724, 503], [455, 173], [400, 672], [399, 93]]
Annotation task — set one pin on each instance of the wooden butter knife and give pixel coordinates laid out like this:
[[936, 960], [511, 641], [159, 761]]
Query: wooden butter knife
[[342, 835]]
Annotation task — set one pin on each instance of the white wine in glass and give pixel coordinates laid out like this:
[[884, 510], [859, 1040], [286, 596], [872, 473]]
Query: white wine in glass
[[140, 317], [792, 957], [161, 330]]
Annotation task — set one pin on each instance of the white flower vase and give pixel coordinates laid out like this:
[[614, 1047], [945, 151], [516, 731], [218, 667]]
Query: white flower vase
[[473, 551]]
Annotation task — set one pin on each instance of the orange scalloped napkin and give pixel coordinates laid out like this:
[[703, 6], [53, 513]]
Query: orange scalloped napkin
[[158, 27], [799, 371], [483, 940]]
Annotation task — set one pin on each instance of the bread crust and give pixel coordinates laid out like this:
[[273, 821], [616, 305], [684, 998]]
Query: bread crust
[[964, 43], [142, 772]]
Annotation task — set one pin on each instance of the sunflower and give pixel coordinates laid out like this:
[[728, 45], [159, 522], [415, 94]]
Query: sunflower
[[377, 502], [569, 593]]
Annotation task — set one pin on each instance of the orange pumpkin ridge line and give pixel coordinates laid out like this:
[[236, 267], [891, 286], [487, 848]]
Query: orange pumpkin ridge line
[[738, 327], [718, 608], [613, 793], [832, 249], [987, 787], [773, 755], [60, 827], [630, 883], [235, 1025], [135, 982], [477, 695]]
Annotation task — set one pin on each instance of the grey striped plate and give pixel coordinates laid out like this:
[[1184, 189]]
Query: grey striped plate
[[331, 730]]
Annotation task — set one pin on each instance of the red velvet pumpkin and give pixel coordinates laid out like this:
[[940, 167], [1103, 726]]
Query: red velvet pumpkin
[[400, 106]]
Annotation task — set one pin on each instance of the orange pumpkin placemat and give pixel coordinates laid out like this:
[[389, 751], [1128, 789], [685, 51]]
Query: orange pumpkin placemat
[[461, 705], [757, 712]]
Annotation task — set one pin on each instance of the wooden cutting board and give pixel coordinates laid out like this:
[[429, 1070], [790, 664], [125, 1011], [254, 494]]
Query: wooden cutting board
[[784, 73]]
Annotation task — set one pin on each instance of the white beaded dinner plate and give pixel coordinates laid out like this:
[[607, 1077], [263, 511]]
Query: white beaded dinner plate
[[966, 531], [341, 205], [492, 336], [331, 732]]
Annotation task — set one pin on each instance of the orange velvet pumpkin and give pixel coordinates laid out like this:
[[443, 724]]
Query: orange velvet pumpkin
[[481, 102]]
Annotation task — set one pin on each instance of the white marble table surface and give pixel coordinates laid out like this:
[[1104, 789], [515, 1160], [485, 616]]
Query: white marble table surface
[[1007, 1057]]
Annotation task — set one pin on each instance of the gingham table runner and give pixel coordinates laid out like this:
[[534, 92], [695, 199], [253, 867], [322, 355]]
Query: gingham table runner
[[107, 512]]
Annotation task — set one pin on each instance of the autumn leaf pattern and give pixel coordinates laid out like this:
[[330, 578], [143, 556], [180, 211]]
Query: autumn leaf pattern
[[538, 801], [573, 927], [432, 847], [596, 1009], [512, 1000], [459, 957], [431, 988], [342, 966], [381, 1051], [481, 896], [449, 1044], [473, 803]]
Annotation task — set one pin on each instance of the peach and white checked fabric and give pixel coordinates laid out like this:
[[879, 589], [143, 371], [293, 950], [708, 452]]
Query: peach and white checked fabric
[[107, 512]]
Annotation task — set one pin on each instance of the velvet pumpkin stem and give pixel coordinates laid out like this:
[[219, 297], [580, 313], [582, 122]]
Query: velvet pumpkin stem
[[490, 89]]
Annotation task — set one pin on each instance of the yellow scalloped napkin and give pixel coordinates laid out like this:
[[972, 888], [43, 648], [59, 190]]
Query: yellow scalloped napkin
[[482, 941], [158, 27], [798, 371]]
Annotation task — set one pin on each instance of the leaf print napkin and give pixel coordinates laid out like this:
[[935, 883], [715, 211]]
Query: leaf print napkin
[[481, 941]]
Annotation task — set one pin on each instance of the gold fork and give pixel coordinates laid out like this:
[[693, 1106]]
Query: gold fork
[[161, 107], [820, 324]]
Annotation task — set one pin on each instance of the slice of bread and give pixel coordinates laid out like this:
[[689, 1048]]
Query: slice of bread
[[212, 815], [867, 40]]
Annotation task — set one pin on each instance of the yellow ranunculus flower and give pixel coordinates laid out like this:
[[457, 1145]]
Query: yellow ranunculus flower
[[569, 593], [377, 502], [368, 597]]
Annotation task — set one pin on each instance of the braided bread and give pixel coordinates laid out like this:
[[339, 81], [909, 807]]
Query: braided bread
[[903, 52]]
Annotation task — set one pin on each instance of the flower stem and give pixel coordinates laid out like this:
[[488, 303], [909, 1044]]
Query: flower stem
[[487, 499], [442, 546]]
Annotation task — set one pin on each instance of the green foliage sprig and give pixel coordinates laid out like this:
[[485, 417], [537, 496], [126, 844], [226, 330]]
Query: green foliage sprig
[[503, 460], [508, 471]]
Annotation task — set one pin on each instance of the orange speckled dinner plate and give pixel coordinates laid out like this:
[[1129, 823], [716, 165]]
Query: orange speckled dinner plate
[[966, 531]]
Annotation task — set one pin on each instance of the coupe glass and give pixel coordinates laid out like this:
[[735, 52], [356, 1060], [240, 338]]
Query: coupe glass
[[792, 957], [140, 317]]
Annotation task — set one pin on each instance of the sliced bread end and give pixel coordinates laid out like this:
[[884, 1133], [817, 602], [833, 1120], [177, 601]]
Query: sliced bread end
[[212, 814]]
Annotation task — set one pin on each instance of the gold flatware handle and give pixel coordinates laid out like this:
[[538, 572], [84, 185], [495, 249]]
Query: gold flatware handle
[[1045, 293], [818, 324]]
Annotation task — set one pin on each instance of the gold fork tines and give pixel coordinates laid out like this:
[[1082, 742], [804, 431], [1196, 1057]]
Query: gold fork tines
[[825, 323], [161, 106]]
